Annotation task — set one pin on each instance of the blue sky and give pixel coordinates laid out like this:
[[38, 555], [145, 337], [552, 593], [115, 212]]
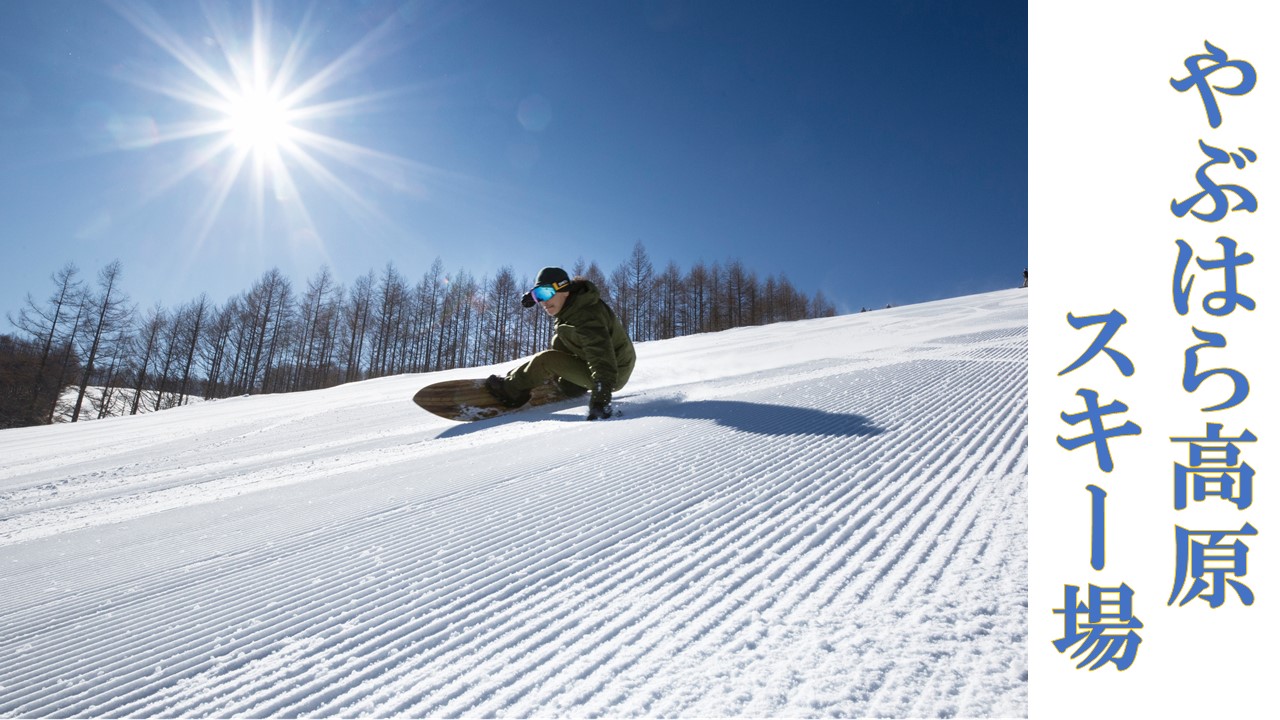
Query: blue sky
[[874, 151]]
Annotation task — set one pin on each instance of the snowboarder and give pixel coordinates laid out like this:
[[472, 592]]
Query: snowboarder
[[590, 351]]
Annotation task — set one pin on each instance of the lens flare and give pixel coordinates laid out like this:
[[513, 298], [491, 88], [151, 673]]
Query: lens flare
[[258, 121], [254, 112]]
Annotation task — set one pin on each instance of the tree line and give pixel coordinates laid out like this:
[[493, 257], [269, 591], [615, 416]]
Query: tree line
[[87, 351]]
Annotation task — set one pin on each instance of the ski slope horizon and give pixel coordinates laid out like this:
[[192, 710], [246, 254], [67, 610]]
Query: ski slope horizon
[[822, 517]]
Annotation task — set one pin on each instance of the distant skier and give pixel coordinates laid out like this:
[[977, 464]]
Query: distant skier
[[1024, 277], [590, 352]]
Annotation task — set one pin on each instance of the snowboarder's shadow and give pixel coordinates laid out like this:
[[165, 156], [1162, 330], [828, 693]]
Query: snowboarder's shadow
[[765, 419], [758, 418]]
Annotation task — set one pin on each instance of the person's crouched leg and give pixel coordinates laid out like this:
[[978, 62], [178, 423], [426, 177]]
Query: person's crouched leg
[[555, 365], [570, 389]]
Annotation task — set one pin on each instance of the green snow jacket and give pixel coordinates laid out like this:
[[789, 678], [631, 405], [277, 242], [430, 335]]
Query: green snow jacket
[[587, 328]]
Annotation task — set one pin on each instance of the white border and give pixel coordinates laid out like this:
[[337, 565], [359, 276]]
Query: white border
[[1111, 144]]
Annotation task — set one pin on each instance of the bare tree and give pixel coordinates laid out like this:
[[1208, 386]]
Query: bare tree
[[169, 354], [389, 307], [718, 315], [698, 299], [356, 315], [116, 355], [670, 295], [821, 307], [191, 320], [148, 341], [426, 318], [591, 271], [621, 297], [501, 306], [318, 332], [791, 305], [18, 361], [457, 315], [270, 305], [741, 293], [52, 327], [216, 343], [639, 282], [108, 311]]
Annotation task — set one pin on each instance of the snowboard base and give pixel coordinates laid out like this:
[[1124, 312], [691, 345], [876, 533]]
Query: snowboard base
[[468, 400]]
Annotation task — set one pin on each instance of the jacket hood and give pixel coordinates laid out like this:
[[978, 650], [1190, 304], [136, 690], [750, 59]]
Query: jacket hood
[[582, 294]]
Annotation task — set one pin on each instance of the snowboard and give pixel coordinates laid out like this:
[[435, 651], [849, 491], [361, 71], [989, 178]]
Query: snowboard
[[468, 400]]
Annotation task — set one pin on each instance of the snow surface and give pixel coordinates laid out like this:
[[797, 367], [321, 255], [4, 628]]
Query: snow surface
[[816, 518]]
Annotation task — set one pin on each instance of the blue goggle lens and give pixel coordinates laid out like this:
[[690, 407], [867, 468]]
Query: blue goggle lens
[[543, 293]]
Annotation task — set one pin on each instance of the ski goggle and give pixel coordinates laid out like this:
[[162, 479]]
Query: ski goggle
[[543, 293]]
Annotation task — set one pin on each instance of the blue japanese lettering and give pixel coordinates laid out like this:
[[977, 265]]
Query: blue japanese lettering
[[1111, 323], [1098, 536], [1214, 460], [1191, 380], [1198, 78], [1093, 413], [1196, 558], [1110, 611], [1217, 192], [1230, 297]]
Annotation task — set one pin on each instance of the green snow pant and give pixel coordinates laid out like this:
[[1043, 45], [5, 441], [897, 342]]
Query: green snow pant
[[552, 364]]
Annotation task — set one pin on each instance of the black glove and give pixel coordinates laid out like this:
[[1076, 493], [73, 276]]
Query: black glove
[[601, 402], [528, 300]]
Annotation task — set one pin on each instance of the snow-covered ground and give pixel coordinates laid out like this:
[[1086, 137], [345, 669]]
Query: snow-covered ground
[[816, 518]]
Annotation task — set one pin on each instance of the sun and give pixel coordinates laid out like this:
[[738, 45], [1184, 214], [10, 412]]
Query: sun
[[259, 121], [256, 109]]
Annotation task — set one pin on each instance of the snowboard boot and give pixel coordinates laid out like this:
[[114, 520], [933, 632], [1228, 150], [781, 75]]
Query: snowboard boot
[[601, 403], [570, 390], [500, 388]]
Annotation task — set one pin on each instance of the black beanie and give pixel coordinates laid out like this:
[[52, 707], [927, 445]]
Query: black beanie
[[554, 276]]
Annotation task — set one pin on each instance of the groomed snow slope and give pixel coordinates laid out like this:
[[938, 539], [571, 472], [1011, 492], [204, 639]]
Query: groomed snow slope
[[816, 518]]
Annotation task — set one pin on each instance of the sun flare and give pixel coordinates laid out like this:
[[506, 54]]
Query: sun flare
[[257, 104], [259, 121]]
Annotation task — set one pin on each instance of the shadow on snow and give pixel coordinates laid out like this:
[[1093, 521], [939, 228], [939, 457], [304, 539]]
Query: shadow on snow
[[757, 418]]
